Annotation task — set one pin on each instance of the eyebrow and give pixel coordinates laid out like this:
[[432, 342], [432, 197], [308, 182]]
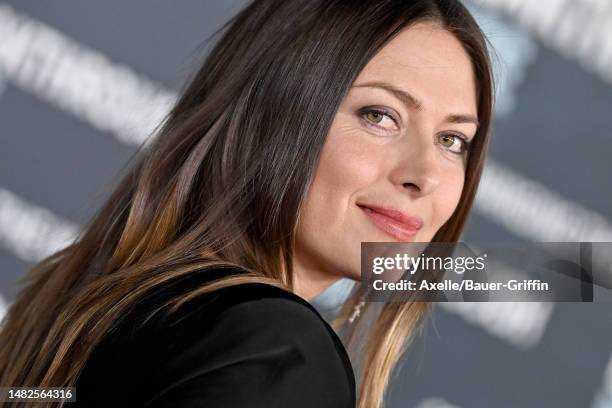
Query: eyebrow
[[412, 102]]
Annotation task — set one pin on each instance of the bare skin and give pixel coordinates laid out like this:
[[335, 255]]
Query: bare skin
[[406, 154]]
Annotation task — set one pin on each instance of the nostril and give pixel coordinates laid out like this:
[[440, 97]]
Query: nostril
[[411, 186]]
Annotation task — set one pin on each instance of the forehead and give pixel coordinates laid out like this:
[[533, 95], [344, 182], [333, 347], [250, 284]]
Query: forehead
[[429, 62]]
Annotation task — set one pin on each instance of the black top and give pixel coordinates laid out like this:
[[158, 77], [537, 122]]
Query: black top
[[249, 345]]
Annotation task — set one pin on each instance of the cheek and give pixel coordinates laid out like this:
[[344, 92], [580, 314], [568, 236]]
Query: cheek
[[347, 164]]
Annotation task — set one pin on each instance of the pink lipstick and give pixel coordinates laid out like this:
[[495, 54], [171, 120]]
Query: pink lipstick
[[395, 223]]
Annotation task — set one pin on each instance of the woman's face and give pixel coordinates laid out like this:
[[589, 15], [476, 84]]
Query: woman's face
[[398, 141]]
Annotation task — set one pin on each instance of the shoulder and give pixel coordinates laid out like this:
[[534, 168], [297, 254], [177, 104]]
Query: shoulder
[[249, 344], [262, 340], [262, 315], [254, 305], [265, 304], [274, 315]]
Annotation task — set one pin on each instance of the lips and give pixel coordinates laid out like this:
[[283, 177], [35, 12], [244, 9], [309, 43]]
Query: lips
[[399, 225]]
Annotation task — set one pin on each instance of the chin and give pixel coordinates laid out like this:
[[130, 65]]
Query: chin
[[353, 275]]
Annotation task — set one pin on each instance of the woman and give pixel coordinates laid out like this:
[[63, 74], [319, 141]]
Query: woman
[[191, 286]]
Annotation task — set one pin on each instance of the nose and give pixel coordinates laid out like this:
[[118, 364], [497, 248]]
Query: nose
[[416, 166]]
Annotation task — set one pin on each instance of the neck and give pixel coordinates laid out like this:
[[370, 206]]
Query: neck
[[308, 283]]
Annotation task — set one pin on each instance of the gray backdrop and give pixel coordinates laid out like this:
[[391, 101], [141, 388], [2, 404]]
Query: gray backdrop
[[81, 84]]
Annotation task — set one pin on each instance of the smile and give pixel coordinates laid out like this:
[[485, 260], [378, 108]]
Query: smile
[[399, 226]]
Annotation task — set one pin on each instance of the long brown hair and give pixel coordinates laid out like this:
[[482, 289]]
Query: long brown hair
[[222, 181]]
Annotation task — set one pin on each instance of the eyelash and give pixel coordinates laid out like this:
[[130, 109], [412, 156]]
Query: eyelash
[[378, 111], [467, 144]]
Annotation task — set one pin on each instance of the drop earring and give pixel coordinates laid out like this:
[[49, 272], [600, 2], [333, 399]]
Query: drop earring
[[357, 309]]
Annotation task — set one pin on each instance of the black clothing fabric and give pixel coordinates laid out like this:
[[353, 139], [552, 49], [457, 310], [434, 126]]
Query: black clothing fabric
[[250, 345]]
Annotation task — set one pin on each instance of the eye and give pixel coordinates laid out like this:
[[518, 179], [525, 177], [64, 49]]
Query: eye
[[455, 143], [379, 119]]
